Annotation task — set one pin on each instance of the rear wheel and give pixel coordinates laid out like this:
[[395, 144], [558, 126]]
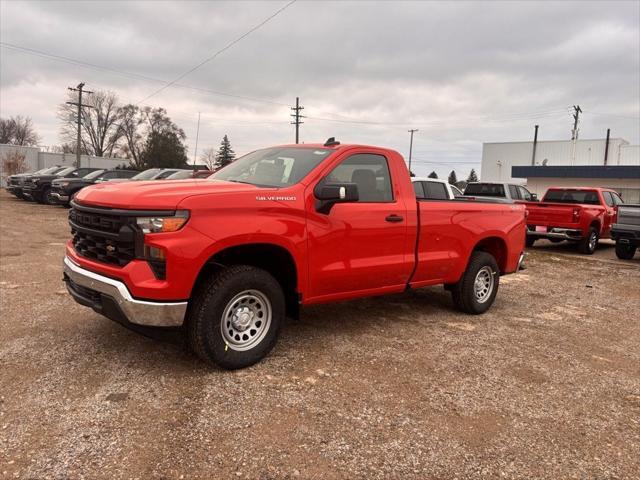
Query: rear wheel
[[476, 290], [589, 243], [236, 316], [625, 252]]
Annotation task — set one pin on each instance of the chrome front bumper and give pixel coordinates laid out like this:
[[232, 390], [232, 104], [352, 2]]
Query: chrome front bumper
[[60, 198], [140, 312]]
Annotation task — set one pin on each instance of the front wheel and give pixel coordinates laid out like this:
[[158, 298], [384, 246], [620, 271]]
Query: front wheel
[[235, 317], [589, 243], [476, 290], [625, 252]]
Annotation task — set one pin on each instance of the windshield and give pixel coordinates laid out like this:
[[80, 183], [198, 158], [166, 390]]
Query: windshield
[[147, 174], [93, 175], [273, 167], [180, 175], [65, 171], [485, 190], [588, 197]]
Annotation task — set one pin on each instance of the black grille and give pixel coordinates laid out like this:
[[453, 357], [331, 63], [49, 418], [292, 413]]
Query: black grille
[[103, 237]]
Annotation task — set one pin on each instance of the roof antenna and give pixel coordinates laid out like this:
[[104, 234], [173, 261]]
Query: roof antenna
[[331, 142]]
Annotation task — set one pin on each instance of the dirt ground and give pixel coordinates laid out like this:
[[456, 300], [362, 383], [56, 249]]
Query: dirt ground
[[545, 385]]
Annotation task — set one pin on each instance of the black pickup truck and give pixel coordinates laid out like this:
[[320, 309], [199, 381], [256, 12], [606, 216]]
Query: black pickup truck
[[626, 231], [63, 189], [38, 187], [15, 182]]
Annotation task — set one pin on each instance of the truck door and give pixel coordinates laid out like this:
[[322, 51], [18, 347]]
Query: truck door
[[609, 214], [361, 245]]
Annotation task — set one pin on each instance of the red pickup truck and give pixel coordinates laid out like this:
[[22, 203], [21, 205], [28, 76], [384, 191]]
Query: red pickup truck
[[580, 215], [228, 257]]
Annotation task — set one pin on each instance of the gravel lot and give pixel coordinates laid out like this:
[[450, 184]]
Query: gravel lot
[[545, 385]]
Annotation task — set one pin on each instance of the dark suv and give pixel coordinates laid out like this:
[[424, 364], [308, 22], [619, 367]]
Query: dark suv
[[38, 187], [63, 189]]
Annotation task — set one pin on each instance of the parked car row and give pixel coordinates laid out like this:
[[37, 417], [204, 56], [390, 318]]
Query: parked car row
[[58, 185], [581, 216]]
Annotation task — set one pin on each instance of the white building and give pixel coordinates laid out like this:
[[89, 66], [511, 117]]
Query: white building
[[560, 163]]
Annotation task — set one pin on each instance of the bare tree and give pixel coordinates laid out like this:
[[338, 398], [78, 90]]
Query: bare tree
[[100, 130], [18, 130], [14, 162], [208, 157]]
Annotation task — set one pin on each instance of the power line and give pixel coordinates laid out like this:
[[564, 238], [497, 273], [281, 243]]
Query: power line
[[124, 73], [223, 49]]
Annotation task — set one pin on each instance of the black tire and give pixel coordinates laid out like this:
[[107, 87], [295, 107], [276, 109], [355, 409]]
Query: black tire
[[218, 295], [530, 241], [46, 197], [464, 292], [625, 252], [589, 243], [556, 240]]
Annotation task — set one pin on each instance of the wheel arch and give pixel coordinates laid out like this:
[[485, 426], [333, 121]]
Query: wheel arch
[[496, 246], [271, 257]]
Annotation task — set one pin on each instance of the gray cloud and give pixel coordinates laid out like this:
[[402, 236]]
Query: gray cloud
[[462, 73]]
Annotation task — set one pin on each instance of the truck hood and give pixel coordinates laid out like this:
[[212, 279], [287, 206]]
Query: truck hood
[[154, 194]]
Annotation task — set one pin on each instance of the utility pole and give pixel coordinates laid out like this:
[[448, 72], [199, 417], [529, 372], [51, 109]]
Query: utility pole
[[195, 151], [297, 118], [574, 133], [411, 146], [79, 104]]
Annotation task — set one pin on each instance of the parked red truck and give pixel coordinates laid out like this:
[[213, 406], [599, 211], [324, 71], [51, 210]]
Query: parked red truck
[[227, 257], [580, 215]]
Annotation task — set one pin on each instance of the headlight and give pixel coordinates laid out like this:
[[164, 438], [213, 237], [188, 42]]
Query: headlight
[[163, 224]]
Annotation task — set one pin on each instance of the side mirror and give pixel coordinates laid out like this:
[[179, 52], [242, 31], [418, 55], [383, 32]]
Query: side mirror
[[328, 194], [534, 197]]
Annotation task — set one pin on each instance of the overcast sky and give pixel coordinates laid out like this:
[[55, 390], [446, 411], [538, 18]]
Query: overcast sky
[[366, 72]]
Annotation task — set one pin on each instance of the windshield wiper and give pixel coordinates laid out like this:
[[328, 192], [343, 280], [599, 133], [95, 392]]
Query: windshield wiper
[[254, 184]]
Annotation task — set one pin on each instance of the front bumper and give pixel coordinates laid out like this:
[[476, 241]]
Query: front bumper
[[559, 233], [112, 299], [59, 197]]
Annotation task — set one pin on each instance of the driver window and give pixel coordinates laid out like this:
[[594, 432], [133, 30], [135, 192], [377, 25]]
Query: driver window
[[525, 194], [608, 198], [369, 172]]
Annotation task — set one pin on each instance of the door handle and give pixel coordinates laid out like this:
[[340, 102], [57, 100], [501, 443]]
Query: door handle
[[393, 218]]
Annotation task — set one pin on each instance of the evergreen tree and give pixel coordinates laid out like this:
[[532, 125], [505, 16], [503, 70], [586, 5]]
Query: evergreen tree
[[225, 154], [433, 175], [452, 178], [164, 150], [473, 176]]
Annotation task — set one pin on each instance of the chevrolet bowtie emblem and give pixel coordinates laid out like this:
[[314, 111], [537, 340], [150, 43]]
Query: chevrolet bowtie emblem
[[111, 248]]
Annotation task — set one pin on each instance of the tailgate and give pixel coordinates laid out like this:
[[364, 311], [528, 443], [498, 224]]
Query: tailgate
[[552, 214]]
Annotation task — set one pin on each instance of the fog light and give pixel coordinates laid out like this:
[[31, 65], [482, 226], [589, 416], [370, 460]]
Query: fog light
[[154, 253]]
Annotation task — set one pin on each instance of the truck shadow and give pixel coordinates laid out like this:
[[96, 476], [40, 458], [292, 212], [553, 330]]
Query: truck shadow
[[605, 247], [316, 326]]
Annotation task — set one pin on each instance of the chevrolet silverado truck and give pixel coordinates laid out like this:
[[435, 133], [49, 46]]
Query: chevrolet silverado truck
[[578, 215], [38, 187], [626, 231], [63, 189], [226, 258]]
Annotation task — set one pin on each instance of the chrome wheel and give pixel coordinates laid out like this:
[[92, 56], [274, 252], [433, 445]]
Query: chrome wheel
[[246, 320], [483, 284], [593, 241]]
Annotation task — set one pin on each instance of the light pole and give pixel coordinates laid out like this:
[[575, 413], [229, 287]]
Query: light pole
[[411, 146]]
